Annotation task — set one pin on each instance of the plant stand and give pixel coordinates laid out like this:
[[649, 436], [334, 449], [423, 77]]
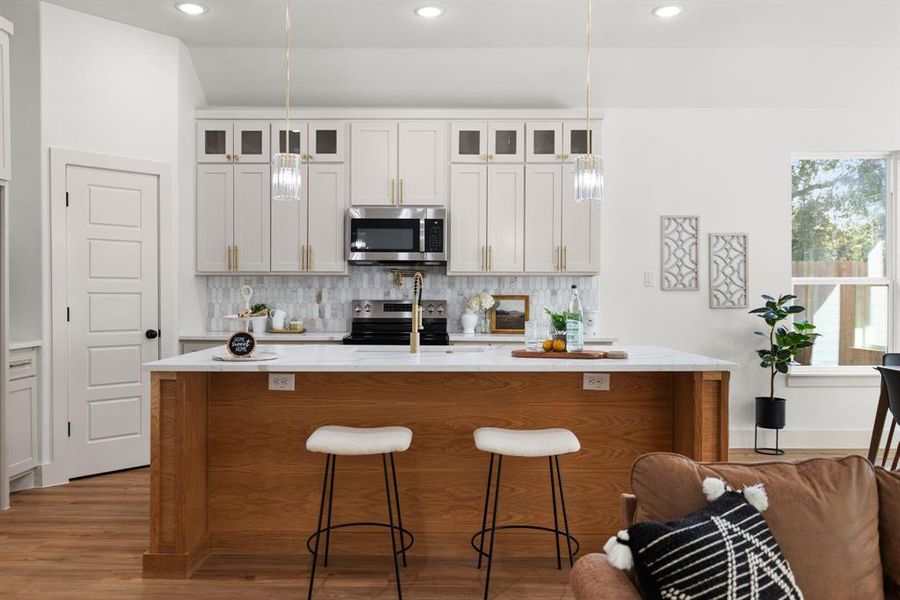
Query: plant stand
[[770, 414], [776, 451]]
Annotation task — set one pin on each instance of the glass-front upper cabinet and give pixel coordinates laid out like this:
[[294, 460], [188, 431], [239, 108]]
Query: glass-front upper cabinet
[[298, 138], [505, 142], [576, 139], [468, 142], [327, 140], [215, 141], [544, 141], [251, 141]]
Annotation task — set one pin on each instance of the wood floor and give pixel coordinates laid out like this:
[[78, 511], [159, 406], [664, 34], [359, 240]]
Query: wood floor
[[85, 540]]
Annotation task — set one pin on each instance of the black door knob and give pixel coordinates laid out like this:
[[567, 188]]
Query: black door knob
[[151, 334]]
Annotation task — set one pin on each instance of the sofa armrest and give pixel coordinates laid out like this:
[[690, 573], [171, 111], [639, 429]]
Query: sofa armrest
[[629, 507], [593, 578]]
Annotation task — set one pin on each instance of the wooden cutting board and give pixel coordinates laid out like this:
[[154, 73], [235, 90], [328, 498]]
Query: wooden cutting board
[[587, 354]]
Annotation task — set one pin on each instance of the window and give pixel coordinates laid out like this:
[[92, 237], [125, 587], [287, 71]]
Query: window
[[841, 257]]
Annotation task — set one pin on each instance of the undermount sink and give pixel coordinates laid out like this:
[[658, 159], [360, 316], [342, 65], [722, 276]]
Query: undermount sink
[[422, 349]]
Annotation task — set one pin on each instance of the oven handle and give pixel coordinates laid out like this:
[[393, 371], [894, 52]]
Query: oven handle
[[422, 235]]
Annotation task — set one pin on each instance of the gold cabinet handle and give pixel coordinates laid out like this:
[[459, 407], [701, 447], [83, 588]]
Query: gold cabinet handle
[[401, 190], [310, 157], [565, 258], [392, 191], [228, 253], [556, 258], [309, 255], [236, 257], [483, 259], [236, 158], [228, 157], [490, 258], [490, 157], [302, 258]]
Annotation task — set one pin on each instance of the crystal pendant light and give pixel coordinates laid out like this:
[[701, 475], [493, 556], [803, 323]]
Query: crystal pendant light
[[589, 167], [287, 166]]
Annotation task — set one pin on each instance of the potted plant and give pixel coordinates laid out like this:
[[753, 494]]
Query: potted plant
[[786, 340], [482, 303], [259, 317], [557, 340]]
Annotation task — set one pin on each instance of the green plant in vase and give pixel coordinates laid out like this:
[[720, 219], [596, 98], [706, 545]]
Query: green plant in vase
[[557, 340]]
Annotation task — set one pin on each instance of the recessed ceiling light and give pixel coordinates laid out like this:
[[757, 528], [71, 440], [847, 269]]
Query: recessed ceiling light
[[668, 11], [191, 8], [429, 12]]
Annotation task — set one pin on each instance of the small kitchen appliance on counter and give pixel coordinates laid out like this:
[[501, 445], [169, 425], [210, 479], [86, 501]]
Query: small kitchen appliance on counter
[[388, 322]]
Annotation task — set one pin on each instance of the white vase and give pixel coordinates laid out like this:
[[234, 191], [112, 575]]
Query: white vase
[[469, 320], [259, 324]]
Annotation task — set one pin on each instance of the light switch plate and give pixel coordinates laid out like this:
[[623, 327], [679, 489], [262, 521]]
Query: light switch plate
[[596, 381], [281, 382], [648, 279]]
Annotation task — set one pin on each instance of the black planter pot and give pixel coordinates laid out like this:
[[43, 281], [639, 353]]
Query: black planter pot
[[769, 415]]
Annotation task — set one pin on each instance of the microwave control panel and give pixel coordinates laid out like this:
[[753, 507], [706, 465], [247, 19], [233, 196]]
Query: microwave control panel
[[434, 235]]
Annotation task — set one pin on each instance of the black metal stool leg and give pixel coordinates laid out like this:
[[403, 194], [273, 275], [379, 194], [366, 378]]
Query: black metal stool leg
[[387, 492], [562, 500], [315, 557], [330, 501], [399, 516], [555, 517], [487, 581], [487, 497]]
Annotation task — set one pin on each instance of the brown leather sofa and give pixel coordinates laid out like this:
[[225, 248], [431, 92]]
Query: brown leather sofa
[[837, 521]]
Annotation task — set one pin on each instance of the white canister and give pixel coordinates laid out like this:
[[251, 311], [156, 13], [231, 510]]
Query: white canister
[[592, 322], [469, 320], [278, 319], [259, 324]]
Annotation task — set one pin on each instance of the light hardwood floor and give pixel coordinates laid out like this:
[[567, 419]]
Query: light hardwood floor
[[85, 540]]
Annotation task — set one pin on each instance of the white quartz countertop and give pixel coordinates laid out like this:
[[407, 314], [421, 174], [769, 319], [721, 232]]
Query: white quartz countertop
[[337, 336], [340, 358]]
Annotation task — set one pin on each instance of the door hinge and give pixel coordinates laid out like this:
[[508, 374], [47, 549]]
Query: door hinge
[[69, 429], [68, 314], [67, 199]]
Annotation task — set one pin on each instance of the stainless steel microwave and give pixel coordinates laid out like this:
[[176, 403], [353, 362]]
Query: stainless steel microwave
[[396, 235]]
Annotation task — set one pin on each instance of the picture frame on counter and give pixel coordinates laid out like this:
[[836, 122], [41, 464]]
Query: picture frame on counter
[[510, 314]]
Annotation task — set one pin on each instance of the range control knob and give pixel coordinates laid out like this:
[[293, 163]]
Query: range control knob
[[440, 309], [357, 309], [430, 308], [368, 308]]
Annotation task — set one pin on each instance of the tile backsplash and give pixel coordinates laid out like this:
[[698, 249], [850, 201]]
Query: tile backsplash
[[324, 303]]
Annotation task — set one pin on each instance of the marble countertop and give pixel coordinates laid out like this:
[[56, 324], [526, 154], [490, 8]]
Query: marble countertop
[[340, 358], [337, 336]]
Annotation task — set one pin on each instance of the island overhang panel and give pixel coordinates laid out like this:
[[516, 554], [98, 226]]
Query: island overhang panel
[[230, 473]]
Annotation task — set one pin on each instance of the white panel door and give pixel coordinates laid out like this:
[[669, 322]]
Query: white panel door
[[580, 228], [251, 142], [113, 296], [252, 206], [576, 140], [327, 186], [373, 163], [543, 192], [423, 163], [327, 141], [215, 218], [543, 141], [468, 214], [289, 225], [215, 142], [506, 141], [506, 218], [21, 428], [298, 138], [468, 141]]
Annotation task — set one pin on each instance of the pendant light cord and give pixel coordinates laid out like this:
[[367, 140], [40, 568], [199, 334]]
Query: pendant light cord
[[588, 76], [287, 76]]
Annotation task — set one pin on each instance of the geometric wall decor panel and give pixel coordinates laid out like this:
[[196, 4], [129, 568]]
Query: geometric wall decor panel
[[728, 270], [679, 264]]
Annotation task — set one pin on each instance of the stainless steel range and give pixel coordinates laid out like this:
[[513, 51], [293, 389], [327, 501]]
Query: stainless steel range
[[388, 322]]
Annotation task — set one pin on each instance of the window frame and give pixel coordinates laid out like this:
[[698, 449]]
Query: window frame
[[858, 375]]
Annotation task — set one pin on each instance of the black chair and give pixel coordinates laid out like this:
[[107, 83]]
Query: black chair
[[890, 378]]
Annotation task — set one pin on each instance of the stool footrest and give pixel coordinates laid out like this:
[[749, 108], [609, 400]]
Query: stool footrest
[[479, 534], [406, 544]]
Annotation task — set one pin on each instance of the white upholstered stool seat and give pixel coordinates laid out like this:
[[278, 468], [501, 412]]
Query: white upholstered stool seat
[[359, 441], [525, 442]]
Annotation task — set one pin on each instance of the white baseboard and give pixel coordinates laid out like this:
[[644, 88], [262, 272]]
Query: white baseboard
[[24, 481], [851, 439]]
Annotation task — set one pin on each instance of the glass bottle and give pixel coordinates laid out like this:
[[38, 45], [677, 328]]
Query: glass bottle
[[575, 324]]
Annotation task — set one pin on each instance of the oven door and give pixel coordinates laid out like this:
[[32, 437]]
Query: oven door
[[389, 235]]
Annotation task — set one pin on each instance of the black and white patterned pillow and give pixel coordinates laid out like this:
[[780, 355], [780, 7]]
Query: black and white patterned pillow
[[724, 551]]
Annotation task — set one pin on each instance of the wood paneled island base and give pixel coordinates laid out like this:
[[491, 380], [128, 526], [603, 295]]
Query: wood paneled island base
[[230, 473]]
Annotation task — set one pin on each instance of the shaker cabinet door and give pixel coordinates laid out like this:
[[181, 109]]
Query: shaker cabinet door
[[289, 226], [327, 141], [506, 142], [543, 194], [544, 141], [373, 163], [468, 142], [577, 140], [580, 229], [252, 193], [422, 163], [215, 142], [327, 185], [215, 217], [468, 218], [506, 218], [251, 142]]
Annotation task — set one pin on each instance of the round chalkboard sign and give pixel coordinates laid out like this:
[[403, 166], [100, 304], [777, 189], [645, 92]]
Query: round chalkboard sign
[[241, 344]]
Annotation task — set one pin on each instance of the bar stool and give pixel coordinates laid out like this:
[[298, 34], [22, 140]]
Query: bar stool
[[529, 444], [334, 441]]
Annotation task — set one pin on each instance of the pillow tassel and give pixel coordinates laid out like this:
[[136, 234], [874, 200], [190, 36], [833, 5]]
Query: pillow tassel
[[617, 551], [713, 488], [756, 496]]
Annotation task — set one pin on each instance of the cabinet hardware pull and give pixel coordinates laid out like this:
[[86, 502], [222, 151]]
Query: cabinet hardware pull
[[565, 258], [490, 157], [392, 190], [236, 256], [309, 255], [483, 261], [236, 158], [302, 258], [311, 156], [228, 253], [490, 258], [401, 190], [556, 258], [19, 363], [228, 157]]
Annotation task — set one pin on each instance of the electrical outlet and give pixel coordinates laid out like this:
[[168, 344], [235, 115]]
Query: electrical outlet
[[596, 381], [648, 278], [282, 382]]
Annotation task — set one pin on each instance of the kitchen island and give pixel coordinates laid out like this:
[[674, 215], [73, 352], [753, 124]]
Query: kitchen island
[[230, 473]]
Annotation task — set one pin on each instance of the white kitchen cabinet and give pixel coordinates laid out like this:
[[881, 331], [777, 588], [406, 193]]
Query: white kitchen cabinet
[[577, 140], [233, 141], [561, 234], [233, 218], [487, 217], [555, 141], [373, 163], [315, 141], [5, 148], [251, 142], [492, 141], [289, 229], [422, 163], [21, 412], [299, 138]]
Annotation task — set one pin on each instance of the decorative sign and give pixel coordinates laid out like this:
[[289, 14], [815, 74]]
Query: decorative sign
[[241, 344]]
